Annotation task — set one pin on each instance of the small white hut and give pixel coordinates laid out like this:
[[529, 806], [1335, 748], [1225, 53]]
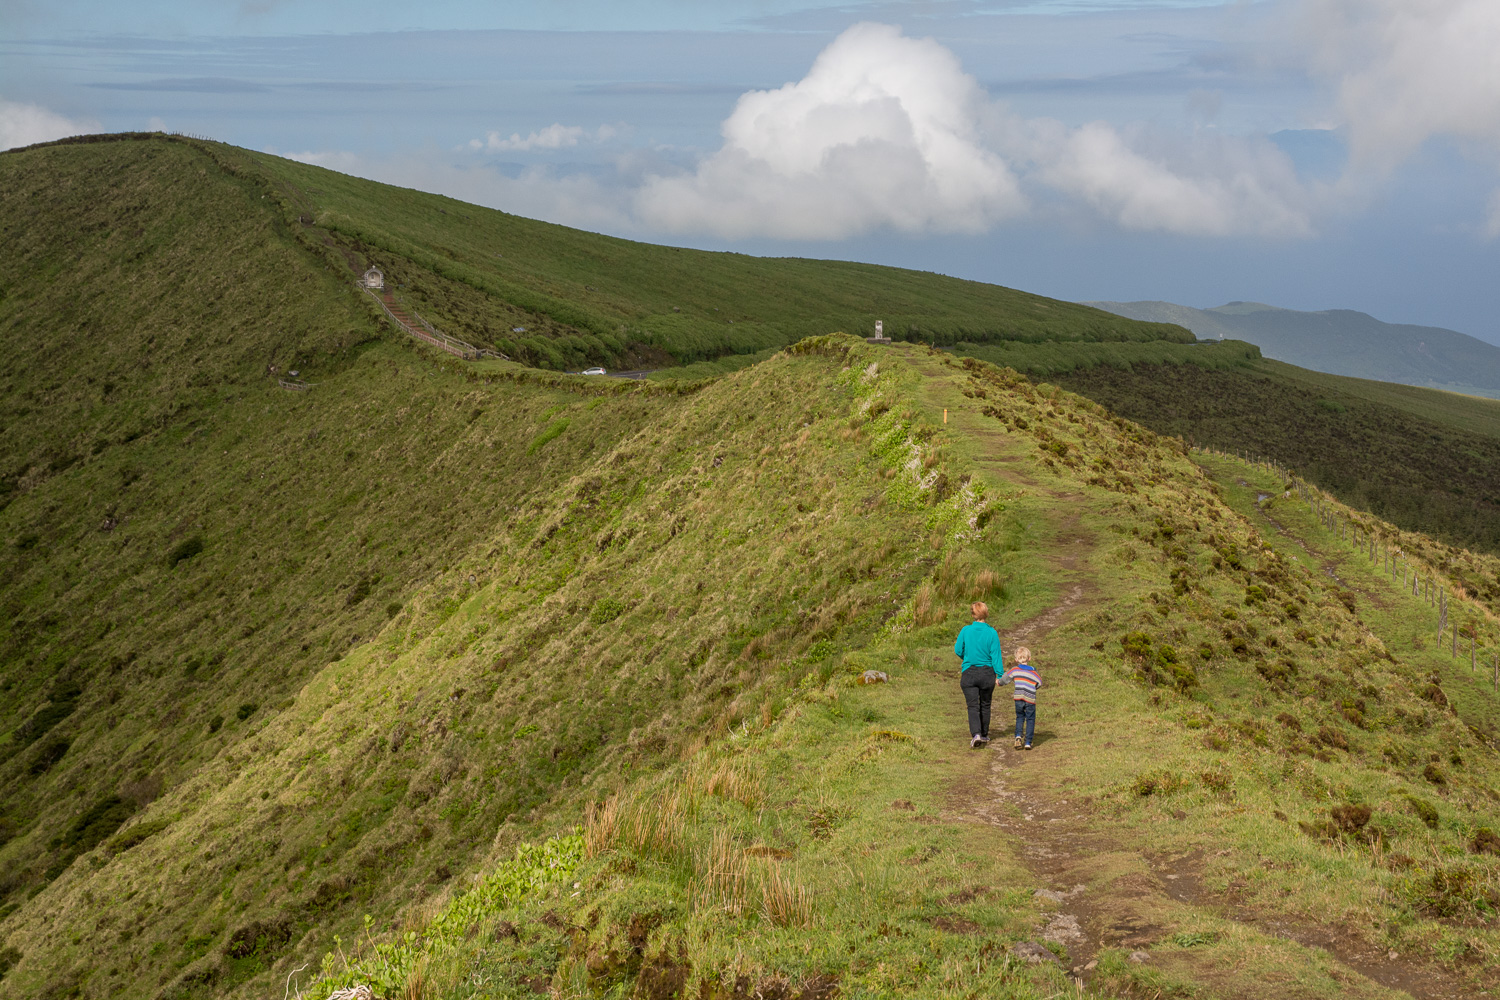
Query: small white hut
[[374, 278]]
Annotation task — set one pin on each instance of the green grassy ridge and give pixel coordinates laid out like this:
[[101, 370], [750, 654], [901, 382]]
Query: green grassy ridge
[[842, 801], [1381, 584], [1469, 578], [1425, 460], [481, 272], [183, 543], [687, 590], [147, 280], [1047, 359], [342, 503]]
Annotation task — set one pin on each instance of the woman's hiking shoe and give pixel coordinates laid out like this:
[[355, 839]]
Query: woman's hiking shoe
[[1027, 747], [984, 740], [975, 742], [1018, 742]]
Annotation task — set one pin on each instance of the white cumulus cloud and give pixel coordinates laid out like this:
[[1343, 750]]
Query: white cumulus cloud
[[1210, 185], [887, 131], [884, 130], [1409, 70], [24, 124]]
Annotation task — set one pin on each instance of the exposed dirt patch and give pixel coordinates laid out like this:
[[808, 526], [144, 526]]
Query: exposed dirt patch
[[954, 924], [1184, 883]]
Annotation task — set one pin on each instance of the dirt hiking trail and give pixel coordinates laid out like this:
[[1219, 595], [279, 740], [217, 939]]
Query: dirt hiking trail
[[1101, 887]]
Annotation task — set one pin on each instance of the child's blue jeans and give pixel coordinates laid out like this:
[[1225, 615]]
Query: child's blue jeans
[[1025, 717]]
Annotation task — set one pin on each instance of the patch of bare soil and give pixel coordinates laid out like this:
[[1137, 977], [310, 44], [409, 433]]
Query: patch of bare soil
[[1183, 882]]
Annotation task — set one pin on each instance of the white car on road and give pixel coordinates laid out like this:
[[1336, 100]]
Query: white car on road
[[594, 371]]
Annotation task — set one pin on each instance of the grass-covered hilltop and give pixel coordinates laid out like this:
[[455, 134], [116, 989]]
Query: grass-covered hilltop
[[331, 659]]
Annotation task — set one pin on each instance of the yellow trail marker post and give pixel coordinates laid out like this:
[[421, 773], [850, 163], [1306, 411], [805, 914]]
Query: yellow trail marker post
[[945, 414]]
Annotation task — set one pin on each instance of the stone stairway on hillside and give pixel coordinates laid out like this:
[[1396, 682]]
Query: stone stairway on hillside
[[409, 321]]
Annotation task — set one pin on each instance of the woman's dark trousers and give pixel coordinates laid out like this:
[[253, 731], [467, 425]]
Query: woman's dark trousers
[[978, 686]]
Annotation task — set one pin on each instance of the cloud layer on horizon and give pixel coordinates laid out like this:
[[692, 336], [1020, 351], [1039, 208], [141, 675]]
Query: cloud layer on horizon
[[555, 136], [24, 124]]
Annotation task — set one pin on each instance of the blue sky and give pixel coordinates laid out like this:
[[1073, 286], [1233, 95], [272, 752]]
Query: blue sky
[[1307, 153]]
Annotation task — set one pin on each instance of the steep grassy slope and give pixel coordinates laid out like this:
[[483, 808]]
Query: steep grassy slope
[[672, 588], [582, 298], [1422, 458], [1425, 460], [1058, 358], [185, 543]]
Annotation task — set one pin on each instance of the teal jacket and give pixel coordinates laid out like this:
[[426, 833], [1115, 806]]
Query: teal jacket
[[979, 645]]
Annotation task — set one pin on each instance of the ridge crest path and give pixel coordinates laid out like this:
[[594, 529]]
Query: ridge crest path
[[1098, 890]]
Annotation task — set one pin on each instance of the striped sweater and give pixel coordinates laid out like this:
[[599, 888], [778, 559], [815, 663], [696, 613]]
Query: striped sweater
[[1027, 681]]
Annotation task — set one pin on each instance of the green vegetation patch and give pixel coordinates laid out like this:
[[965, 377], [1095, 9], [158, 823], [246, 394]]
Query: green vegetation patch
[[1425, 460], [551, 433]]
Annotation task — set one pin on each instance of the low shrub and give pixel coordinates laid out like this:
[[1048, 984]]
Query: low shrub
[[1159, 782], [386, 966], [605, 611], [1350, 818], [1485, 841], [1448, 891], [1218, 781], [1331, 738], [50, 752], [1424, 810], [137, 834], [184, 550]]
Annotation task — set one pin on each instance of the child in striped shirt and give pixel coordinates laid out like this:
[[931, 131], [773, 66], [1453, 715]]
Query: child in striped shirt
[[1027, 681]]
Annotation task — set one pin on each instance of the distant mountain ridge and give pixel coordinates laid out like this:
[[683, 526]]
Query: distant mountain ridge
[[1340, 342]]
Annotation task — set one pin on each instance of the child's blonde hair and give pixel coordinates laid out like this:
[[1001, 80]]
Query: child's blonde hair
[[1023, 654]]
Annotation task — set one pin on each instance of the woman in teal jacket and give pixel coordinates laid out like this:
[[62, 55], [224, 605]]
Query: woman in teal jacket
[[978, 646]]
